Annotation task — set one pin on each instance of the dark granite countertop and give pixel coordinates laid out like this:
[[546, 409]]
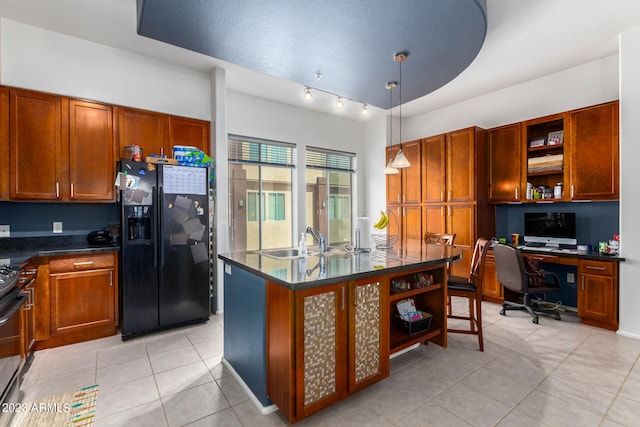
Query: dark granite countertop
[[15, 251], [319, 270], [572, 253]]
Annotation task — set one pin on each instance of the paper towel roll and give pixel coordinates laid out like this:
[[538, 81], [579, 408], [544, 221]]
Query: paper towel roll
[[363, 229]]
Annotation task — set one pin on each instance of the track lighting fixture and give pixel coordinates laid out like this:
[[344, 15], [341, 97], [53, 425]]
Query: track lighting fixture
[[307, 94], [365, 110], [339, 103]]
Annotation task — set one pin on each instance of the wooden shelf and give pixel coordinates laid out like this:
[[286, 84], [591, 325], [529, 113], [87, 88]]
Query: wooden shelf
[[558, 172], [546, 148], [411, 292], [401, 340]]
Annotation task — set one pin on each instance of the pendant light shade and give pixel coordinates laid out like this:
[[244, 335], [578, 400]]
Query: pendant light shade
[[390, 170], [400, 161]]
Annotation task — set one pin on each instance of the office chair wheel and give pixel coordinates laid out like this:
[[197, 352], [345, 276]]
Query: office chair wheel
[[503, 312], [535, 320]]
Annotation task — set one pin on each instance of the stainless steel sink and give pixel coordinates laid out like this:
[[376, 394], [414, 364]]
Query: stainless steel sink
[[293, 253], [287, 253]]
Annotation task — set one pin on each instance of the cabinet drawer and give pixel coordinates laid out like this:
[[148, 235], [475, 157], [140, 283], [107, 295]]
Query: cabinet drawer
[[543, 258], [600, 268], [85, 262]]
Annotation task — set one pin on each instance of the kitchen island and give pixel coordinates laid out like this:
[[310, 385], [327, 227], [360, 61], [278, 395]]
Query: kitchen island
[[304, 333]]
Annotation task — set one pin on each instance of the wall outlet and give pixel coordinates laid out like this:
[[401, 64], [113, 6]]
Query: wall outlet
[[571, 278], [57, 227], [5, 231]]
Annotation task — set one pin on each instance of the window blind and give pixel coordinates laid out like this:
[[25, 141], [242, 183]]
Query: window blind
[[259, 151], [321, 158]]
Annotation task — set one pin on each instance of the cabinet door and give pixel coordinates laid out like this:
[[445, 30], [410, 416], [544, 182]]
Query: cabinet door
[[411, 223], [461, 221], [368, 334], [321, 348], [4, 143], [82, 300], [491, 288], [412, 176], [435, 219], [146, 128], [598, 293], [461, 176], [433, 167], [394, 181], [504, 164], [92, 153], [35, 157], [595, 160], [190, 132]]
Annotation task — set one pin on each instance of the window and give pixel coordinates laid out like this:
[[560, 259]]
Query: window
[[260, 198], [329, 193]]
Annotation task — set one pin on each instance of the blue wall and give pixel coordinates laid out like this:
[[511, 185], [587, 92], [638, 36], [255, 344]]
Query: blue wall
[[595, 221], [36, 219]]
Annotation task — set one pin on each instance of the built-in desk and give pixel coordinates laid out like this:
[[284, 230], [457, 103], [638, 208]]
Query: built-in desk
[[596, 282]]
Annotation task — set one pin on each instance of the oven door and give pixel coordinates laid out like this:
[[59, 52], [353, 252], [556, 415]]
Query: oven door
[[10, 342]]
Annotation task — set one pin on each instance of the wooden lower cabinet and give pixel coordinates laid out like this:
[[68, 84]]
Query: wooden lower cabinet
[[325, 343], [82, 294], [491, 289], [598, 293]]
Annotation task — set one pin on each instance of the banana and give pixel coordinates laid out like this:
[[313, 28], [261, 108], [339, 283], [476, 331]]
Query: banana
[[380, 221]]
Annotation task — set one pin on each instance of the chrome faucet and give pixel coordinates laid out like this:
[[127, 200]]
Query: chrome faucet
[[318, 237]]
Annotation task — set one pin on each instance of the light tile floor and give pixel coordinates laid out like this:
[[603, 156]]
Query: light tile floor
[[551, 374]]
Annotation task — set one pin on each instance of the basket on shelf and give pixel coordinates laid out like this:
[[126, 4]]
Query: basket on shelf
[[385, 242]]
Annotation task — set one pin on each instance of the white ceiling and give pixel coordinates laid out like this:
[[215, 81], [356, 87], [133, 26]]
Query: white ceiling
[[526, 39]]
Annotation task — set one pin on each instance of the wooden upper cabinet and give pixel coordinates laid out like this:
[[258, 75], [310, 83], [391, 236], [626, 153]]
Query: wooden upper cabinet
[[504, 158], [433, 166], [4, 143], [35, 166], [191, 132], [461, 174], [92, 152], [412, 176], [394, 181], [145, 128], [595, 159]]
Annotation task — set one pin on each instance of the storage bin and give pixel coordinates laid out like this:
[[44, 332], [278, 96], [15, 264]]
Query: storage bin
[[415, 326]]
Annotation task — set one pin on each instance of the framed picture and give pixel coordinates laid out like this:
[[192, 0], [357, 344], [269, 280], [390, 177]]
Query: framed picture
[[555, 138], [537, 142]]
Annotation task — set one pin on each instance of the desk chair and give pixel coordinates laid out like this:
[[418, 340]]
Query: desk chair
[[470, 288], [513, 274]]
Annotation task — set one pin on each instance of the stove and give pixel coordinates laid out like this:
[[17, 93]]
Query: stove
[[8, 280]]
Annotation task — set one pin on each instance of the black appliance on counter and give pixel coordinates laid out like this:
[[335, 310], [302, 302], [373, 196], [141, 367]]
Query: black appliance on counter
[[10, 339], [165, 246]]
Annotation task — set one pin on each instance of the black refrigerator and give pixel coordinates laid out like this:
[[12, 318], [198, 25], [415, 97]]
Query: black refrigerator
[[165, 254]]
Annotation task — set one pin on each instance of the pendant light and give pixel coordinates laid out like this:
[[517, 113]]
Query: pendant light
[[401, 160], [390, 170]]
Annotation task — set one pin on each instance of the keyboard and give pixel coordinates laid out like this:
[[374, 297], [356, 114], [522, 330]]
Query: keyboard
[[539, 248]]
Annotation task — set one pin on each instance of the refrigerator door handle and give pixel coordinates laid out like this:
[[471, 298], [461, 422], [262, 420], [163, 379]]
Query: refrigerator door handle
[[159, 209], [156, 217]]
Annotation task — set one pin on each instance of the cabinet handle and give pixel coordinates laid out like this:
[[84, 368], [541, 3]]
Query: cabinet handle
[[342, 299], [537, 258], [449, 194], [572, 191], [442, 196], [57, 190], [591, 267], [441, 210], [516, 193], [82, 264], [110, 278], [399, 198], [450, 212], [72, 190], [583, 283]]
